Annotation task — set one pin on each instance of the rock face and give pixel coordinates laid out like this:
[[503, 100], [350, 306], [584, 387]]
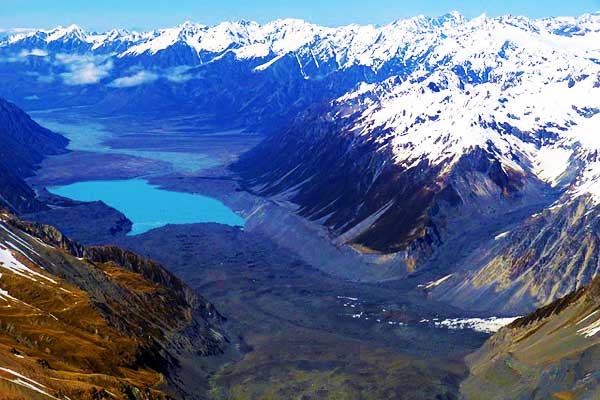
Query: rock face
[[551, 353], [85, 322], [24, 142], [23, 145], [103, 223], [350, 184], [548, 256]]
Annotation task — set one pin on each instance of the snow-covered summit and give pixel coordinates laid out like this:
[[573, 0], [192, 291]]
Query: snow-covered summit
[[347, 45], [508, 85]]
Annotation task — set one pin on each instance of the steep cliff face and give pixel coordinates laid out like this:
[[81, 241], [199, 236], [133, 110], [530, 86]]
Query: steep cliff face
[[551, 353], [99, 322], [23, 145], [24, 142], [15, 194]]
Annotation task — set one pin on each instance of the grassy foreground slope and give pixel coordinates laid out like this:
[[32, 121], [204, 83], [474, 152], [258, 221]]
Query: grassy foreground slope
[[95, 323]]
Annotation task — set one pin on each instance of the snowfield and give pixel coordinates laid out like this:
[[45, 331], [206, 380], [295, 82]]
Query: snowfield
[[486, 325]]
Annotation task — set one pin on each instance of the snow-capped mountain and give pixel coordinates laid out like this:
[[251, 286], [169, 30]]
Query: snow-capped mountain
[[421, 139], [346, 46], [508, 86], [530, 97], [498, 119], [273, 60]]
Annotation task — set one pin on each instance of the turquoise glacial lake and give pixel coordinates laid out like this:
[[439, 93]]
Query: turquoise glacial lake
[[148, 206]]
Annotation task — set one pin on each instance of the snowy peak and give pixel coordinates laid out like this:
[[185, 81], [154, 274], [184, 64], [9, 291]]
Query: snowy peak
[[529, 96], [347, 45], [572, 26], [453, 18], [69, 33]]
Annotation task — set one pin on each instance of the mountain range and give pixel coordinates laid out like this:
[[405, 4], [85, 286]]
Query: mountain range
[[461, 151], [433, 142], [247, 73]]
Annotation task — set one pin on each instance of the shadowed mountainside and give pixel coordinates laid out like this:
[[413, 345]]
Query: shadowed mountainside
[[23, 145]]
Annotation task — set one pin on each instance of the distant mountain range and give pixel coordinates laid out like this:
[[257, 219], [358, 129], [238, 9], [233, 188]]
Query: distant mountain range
[[248, 73]]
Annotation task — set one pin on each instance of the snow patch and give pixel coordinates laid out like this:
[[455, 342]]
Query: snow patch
[[9, 262], [501, 235], [432, 284], [486, 325], [26, 382], [592, 329]]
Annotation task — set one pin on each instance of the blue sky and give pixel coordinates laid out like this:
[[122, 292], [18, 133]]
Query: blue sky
[[145, 14]]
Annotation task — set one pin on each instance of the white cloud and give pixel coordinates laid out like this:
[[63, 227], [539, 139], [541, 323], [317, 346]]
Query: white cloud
[[136, 79], [22, 56], [178, 74], [45, 79], [33, 53], [84, 70]]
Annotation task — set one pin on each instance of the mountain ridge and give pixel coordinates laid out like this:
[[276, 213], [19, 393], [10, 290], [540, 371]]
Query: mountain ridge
[[250, 33], [23, 145], [551, 352], [106, 322]]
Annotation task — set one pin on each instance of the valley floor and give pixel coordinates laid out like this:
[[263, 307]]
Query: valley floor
[[311, 321]]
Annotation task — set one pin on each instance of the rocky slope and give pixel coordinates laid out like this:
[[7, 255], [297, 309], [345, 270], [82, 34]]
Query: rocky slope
[[23, 145], [403, 164], [98, 322], [551, 353], [549, 255]]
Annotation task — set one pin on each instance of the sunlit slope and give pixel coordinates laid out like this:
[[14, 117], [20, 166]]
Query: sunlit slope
[[552, 353], [89, 323]]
